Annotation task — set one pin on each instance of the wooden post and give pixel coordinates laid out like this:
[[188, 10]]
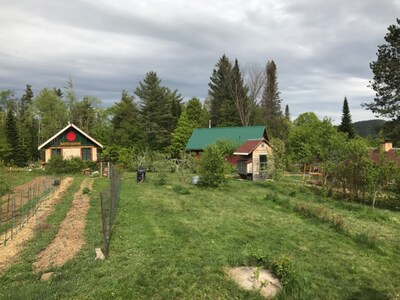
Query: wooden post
[[21, 209]]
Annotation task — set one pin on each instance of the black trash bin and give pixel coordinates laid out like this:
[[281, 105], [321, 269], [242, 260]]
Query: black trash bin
[[140, 174]]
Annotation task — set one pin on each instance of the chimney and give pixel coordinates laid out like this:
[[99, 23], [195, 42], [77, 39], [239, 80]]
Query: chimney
[[386, 146]]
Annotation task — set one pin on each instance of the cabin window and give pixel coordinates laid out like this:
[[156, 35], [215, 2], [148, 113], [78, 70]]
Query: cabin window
[[55, 152], [263, 163], [86, 154]]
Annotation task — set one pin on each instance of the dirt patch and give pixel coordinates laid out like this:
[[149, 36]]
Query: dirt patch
[[10, 253], [69, 239], [256, 279]]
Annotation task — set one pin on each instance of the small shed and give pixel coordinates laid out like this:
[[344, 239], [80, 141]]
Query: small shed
[[71, 142], [203, 137], [253, 159]]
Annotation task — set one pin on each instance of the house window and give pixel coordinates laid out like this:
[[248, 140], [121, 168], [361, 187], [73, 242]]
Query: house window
[[86, 154], [55, 152], [263, 163]]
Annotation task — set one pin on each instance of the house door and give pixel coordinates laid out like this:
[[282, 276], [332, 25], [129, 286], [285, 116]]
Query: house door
[[86, 154]]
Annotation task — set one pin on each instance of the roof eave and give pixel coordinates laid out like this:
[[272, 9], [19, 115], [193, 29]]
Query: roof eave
[[65, 128]]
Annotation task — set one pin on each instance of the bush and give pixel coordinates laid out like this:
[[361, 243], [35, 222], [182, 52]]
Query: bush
[[213, 167], [57, 165]]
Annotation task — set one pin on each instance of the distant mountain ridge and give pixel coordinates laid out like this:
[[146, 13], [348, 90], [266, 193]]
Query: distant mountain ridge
[[369, 127]]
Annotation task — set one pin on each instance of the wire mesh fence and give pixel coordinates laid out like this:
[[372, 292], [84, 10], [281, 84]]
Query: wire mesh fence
[[19, 206], [109, 200]]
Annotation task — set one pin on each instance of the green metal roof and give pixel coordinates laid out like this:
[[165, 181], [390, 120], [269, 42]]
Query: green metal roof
[[202, 137]]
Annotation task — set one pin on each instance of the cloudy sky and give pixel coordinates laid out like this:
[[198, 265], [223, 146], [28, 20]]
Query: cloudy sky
[[322, 49]]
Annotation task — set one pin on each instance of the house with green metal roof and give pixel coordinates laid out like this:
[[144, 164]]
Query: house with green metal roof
[[203, 137]]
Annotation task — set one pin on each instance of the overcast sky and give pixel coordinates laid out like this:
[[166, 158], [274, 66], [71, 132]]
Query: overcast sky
[[322, 49]]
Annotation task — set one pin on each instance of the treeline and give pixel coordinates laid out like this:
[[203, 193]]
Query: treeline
[[152, 117]]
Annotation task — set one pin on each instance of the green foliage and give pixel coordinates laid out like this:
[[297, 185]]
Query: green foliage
[[57, 165], [159, 111], [346, 126], [187, 166], [86, 191], [127, 131], [281, 265], [277, 159], [370, 127], [52, 112], [312, 140], [222, 107], [213, 167], [386, 79], [181, 135], [163, 166], [195, 113]]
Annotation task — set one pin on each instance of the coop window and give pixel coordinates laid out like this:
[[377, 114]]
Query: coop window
[[263, 162]]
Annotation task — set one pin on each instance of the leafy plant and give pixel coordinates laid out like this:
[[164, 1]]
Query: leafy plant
[[213, 167]]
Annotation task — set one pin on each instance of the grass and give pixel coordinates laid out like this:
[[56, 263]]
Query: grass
[[176, 241]]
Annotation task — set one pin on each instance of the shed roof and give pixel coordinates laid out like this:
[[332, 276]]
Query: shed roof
[[70, 125], [248, 147], [203, 137]]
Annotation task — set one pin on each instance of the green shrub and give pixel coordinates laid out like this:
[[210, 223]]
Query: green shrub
[[57, 165], [213, 167], [86, 191]]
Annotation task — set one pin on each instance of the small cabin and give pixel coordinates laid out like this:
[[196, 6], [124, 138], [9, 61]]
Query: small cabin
[[254, 156], [203, 137], [71, 142]]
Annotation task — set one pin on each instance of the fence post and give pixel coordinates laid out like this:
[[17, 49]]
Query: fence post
[[21, 209]]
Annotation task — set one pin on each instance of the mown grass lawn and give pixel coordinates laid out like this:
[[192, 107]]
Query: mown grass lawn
[[176, 241]]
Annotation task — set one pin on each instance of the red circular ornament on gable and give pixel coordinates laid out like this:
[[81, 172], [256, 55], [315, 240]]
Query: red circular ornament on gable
[[71, 136]]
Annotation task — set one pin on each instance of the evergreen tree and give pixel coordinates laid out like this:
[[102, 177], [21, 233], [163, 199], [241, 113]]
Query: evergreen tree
[[222, 107], [125, 123], [239, 93], [181, 135], [28, 124], [271, 104], [70, 98], [18, 154], [26, 100], [84, 113], [346, 125], [58, 92], [197, 113], [386, 82], [287, 113], [159, 111]]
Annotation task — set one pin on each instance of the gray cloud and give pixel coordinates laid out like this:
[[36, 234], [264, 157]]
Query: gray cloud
[[322, 48]]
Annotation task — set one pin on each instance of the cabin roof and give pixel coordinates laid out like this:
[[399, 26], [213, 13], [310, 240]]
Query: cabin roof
[[248, 147], [203, 137], [70, 125]]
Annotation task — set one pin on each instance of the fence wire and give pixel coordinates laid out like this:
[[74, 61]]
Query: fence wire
[[109, 200], [19, 206]]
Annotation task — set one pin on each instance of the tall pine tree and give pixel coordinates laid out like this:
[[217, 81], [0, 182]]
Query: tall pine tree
[[346, 126], [271, 104], [222, 109], [28, 124], [17, 154], [159, 111], [239, 92], [125, 122]]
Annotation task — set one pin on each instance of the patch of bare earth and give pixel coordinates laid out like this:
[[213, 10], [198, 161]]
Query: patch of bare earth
[[252, 278], [11, 251], [70, 237]]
